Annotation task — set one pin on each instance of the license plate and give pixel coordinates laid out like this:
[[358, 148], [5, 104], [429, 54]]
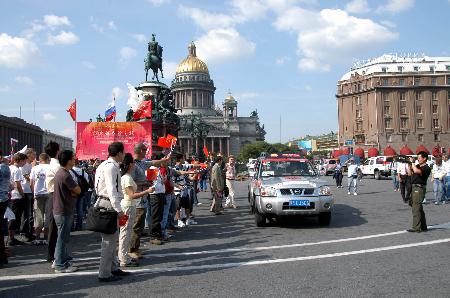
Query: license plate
[[299, 203]]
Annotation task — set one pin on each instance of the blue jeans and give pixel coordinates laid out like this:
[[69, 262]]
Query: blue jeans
[[165, 220], [148, 217], [172, 211], [62, 252], [203, 185], [353, 181], [447, 187], [395, 181], [438, 190], [79, 212]]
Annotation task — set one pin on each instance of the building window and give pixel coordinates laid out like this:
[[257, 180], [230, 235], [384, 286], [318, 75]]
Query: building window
[[419, 123], [400, 68], [358, 100], [404, 138], [435, 108], [387, 123], [404, 123], [448, 95], [385, 82], [388, 138], [401, 82], [447, 67], [358, 113], [436, 137], [420, 138], [435, 123], [434, 95], [416, 68], [433, 81], [387, 110], [359, 126], [402, 96], [419, 95], [384, 69], [416, 81], [403, 107], [432, 68], [385, 97]]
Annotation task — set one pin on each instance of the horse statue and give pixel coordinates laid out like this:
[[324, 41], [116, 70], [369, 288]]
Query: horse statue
[[154, 59]]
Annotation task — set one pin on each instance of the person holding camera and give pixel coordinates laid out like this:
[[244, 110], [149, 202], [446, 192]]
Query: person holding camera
[[420, 174], [404, 178]]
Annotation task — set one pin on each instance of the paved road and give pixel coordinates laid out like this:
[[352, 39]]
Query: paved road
[[365, 252]]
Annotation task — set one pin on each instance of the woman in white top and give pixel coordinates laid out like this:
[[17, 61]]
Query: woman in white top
[[128, 205]]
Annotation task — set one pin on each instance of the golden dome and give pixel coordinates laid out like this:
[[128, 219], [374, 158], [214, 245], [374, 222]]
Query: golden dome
[[191, 63], [230, 97]]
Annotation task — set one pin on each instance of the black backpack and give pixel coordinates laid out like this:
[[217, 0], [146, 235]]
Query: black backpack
[[82, 183]]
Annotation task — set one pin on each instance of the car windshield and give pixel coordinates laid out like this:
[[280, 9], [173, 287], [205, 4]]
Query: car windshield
[[286, 168]]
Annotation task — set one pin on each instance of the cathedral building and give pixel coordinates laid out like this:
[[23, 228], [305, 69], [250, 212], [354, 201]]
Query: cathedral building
[[203, 123]]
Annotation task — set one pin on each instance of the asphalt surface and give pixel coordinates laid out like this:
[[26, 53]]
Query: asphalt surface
[[365, 252]]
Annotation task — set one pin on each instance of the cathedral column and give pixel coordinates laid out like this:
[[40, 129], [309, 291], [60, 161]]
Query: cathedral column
[[196, 146], [228, 146], [212, 144], [220, 145], [188, 146]]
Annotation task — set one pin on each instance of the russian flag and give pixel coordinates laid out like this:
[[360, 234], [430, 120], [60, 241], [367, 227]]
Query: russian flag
[[110, 113]]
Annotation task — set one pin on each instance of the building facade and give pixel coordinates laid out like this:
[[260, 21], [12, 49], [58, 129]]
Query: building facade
[[193, 93], [28, 135], [396, 101]]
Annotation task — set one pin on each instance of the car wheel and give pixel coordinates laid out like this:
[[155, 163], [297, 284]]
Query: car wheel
[[325, 218], [377, 175], [260, 219]]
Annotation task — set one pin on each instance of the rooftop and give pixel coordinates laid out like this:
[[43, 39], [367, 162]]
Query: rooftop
[[395, 63]]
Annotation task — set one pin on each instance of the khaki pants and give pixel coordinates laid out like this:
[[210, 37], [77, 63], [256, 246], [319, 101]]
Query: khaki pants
[[217, 198], [125, 235], [138, 228], [419, 220], [108, 255], [230, 199]]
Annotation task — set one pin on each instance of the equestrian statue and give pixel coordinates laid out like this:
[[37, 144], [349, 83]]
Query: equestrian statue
[[154, 59]]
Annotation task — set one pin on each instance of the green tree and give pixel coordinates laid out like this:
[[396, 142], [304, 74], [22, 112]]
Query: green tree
[[253, 150]]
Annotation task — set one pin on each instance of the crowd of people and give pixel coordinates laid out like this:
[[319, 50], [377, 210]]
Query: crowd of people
[[51, 196]]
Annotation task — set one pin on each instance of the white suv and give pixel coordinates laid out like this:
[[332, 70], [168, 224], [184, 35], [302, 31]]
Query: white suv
[[377, 166]]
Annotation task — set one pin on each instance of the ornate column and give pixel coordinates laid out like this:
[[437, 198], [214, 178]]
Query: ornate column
[[212, 144], [220, 145], [196, 145], [228, 146], [188, 146]]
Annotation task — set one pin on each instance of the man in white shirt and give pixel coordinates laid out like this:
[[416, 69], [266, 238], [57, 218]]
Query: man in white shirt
[[52, 149], [437, 176], [352, 175], [17, 196], [37, 181], [404, 178], [109, 194], [230, 176], [28, 221]]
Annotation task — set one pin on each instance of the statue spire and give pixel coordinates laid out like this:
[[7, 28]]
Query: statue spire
[[192, 49]]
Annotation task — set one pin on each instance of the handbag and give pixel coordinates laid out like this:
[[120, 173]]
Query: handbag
[[101, 220], [226, 191]]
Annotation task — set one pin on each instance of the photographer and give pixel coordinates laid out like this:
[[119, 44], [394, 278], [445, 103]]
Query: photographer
[[404, 177], [420, 174]]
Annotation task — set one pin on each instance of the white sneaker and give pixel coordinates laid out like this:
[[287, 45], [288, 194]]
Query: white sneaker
[[199, 204], [67, 270], [181, 224], [348, 193], [355, 194], [53, 264], [191, 222]]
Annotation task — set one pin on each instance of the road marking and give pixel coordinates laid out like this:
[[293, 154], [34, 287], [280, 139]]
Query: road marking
[[235, 264]]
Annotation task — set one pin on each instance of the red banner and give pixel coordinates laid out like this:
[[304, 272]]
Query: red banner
[[93, 138]]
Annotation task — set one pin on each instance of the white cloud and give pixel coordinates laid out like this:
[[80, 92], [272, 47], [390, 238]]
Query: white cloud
[[389, 23], [282, 60], [116, 93], [48, 117], [24, 80], [248, 95], [169, 69], [63, 38], [140, 37], [16, 52], [220, 45], [395, 6], [331, 35], [357, 6], [112, 25], [55, 21], [159, 2], [88, 65], [4, 88], [127, 53]]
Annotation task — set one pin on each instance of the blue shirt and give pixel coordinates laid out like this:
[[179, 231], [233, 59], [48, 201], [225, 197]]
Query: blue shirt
[[140, 176], [5, 175]]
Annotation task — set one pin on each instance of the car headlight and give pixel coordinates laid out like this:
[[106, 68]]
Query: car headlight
[[268, 191], [325, 191]]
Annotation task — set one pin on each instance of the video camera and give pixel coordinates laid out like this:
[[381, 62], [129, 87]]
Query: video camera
[[403, 159]]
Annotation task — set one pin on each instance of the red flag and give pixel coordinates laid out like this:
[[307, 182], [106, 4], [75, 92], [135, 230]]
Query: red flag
[[164, 143], [205, 150], [171, 139], [144, 110], [73, 110]]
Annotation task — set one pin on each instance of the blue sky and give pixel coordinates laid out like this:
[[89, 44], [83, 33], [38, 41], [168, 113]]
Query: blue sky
[[281, 57]]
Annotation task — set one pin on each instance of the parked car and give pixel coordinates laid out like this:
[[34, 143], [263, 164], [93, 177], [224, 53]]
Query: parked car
[[288, 186], [377, 166], [329, 165]]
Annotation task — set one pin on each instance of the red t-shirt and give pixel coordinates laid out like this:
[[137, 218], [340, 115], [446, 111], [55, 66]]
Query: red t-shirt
[[167, 183]]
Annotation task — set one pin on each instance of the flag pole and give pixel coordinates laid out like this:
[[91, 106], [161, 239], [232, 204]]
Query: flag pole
[[114, 103], [75, 137]]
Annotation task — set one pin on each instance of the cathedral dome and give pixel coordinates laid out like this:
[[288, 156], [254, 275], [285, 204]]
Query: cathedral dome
[[192, 63]]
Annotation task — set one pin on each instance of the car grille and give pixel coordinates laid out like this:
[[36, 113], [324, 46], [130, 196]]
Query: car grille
[[297, 191], [286, 206]]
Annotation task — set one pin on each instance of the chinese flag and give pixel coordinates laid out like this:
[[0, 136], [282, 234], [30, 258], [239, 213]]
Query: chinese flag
[[164, 143], [73, 110], [171, 139], [205, 150], [144, 110]]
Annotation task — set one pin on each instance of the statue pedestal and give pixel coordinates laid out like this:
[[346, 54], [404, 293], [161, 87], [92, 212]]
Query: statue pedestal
[[152, 88]]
